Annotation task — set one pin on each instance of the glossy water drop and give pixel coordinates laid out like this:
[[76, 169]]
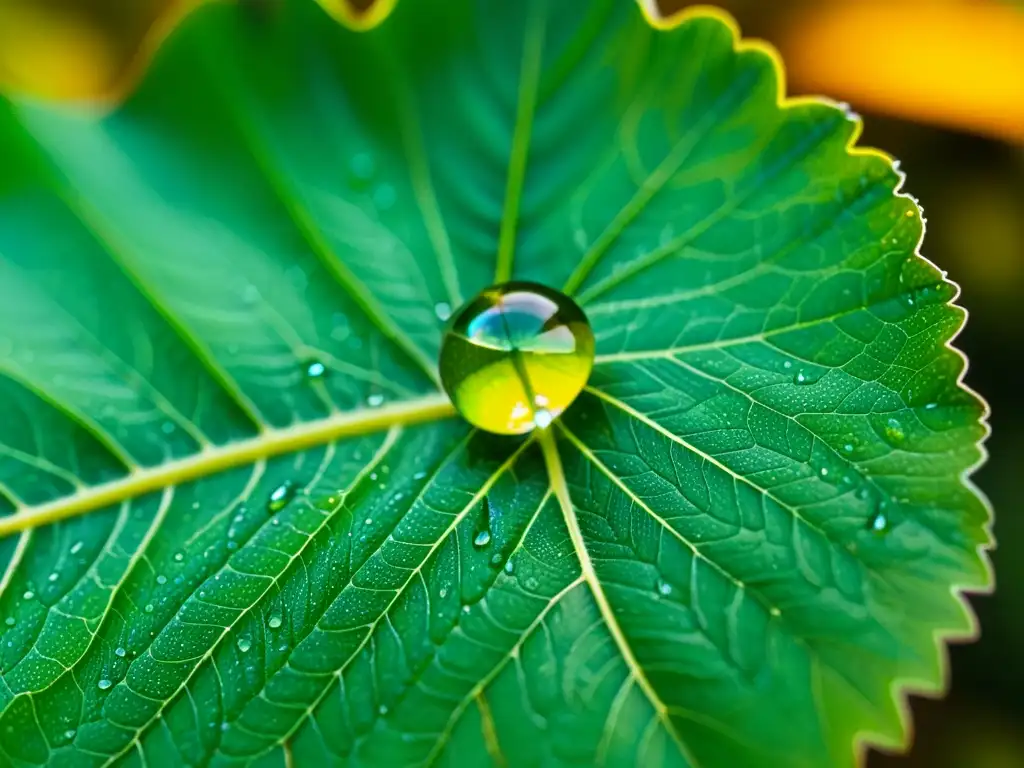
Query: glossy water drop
[[104, 684], [70, 733], [482, 539], [120, 652], [161, 579], [280, 496], [76, 547], [315, 370], [148, 608], [244, 644], [894, 430], [178, 557], [879, 522], [848, 448], [375, 401], [10, 621], [802, 378], [443, 310], [510, 567], [516, 356], [274, 622], [663, 587]]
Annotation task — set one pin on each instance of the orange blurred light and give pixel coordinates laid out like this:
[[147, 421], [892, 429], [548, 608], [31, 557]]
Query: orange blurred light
[[955, 63]]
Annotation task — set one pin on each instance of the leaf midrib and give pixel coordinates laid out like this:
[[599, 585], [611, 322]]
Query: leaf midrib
[[267, 443]]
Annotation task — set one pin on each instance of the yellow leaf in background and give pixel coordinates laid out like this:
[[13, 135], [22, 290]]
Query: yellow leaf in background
[[82, 51], [359, 14], [955, 63]]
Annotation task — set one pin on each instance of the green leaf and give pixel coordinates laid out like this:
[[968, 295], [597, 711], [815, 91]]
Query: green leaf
[[738, 548]]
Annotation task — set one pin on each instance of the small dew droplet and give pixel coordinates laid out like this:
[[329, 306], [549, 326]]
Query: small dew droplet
[[29, 594], [161, 579], [542, 418], [244, 644], [663, 587], [280, 496], [801, 378], [76, 547], [362, 166], [931, 406], [443, 310], [178, 557], [879, 523], [382, 709], [824, 471], [10, 621], [315, 370], [510, 567], [848, 448], [482, 539], [148, 608], [70, 733], [274, 622], [375, 401], [104, 684], [120, 652]]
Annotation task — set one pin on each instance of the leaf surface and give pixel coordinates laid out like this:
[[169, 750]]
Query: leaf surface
[[220, 310]]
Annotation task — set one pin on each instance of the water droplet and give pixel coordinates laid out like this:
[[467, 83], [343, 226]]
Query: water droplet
[[29, 594], [774, 611], [52, 576], [848, 448], [10, 621], [363, 166], [482, 539], [419, 475], [70, 733], [382, 709], [515, 357], [824, 471], [244, 644], [879, 522], [178, 557], [443, 592], [148, 608], [931, 406], [274, 622], [894, 430], [531, 583], [802, 378], [788, 364], [443, 310], [510, 567], [496, 558], [315, 370], [663, 587], [369, 521], [375, 401], [280, 496], [104, 684], [384, 196], [120, 652], [161, 579]]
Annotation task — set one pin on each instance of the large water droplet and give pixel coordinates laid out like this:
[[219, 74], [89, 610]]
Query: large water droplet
[[516, 356], [482, 539], [443, 310], [275, 621], [244, 644], [510, 567], [120, 652], [375, 401], [879, 522], [104, 684], [280, 496]]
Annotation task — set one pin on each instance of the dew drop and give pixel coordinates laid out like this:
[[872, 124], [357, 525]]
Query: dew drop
[[148, 608], [848, 448], [375, 401], [443, 310], [178, 557], [29, 594], [52, 576], [496, 558], [419, 475], [663, 587], [482, 539], [167, 427], [76, 547], [280, 496], [802, 378], [510, 567], [878, 522], [274, 622], [532, 583], [161, 579], [104, 684], [382, 709], [244, 644], [120, 652], [315, 370], [894, 430], [10, 621], [70, 733], [788, 364], [824, 471], [515, 357], [931, 406]]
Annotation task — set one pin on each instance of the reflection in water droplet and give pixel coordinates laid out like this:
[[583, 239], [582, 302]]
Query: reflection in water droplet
[[515, 357], [104, 684], [244, 644], [482, 539], [274, 622], [120, 652], [663, 587], [315, 370], [280, 496]]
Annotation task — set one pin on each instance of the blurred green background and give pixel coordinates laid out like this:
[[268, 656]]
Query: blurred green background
[[941, 86]]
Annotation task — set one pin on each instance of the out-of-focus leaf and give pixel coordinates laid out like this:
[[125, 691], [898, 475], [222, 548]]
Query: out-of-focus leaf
[[753, 527], [359, 14]]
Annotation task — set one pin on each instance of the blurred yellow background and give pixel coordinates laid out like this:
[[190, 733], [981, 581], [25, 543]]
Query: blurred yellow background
[[942, 85]]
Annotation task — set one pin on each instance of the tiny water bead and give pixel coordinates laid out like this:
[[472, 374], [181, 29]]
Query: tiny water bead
[[515, 357]]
